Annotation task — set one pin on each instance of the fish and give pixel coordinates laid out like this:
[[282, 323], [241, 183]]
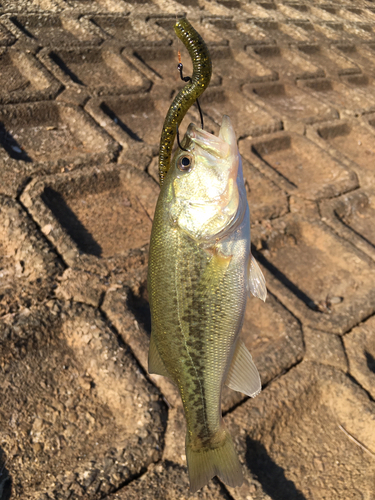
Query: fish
[[200, 273]]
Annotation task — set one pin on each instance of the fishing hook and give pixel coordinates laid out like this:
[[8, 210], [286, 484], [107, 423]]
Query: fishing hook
[[178, 139], [180, 68]]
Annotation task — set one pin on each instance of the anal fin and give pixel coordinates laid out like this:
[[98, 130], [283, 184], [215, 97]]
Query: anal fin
[[155, 363], [243, 375]]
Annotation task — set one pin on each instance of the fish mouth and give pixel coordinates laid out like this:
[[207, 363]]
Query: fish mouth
[[210, 143], [219, 152]]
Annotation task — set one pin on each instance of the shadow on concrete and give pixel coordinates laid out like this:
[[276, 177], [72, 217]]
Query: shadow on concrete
[[57, 60], [11, 146], [286, 281], [140, 307], [270, 475], [370, 361], [108, 111], [69, 221], [5, 478]]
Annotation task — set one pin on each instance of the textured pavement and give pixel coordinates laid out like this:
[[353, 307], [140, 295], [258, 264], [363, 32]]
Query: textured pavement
[[84, 89]]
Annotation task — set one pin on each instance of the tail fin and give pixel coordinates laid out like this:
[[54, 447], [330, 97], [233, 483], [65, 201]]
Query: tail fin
[[205, 463]]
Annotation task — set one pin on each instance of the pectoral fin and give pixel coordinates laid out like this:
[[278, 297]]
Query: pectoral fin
[[155, 363], [256, 284], [216, 268], [243, 375]]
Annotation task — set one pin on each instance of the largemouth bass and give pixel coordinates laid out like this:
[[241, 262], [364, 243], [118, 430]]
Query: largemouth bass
[[200, 272]]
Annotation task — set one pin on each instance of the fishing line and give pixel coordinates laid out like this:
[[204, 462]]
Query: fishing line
[[195, 86]]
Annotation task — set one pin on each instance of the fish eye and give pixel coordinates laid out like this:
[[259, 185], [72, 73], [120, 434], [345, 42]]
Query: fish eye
[[185, 162]]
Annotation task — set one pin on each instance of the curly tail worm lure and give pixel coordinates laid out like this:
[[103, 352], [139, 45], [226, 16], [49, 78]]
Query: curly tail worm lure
[[202, 69]]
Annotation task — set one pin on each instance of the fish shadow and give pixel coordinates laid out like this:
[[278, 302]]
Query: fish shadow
[[5, 478], [270, 475], [70, 222]]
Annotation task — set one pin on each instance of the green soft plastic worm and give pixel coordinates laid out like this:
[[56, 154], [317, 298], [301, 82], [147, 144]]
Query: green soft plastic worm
[[202, 70]]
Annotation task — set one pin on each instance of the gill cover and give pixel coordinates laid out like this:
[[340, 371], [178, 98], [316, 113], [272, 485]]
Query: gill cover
[[205, 194]]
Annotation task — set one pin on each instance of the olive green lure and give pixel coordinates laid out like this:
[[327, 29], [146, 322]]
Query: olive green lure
[[202, 70]]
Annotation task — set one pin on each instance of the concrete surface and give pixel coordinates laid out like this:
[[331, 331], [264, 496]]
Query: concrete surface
[[84, 89]]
